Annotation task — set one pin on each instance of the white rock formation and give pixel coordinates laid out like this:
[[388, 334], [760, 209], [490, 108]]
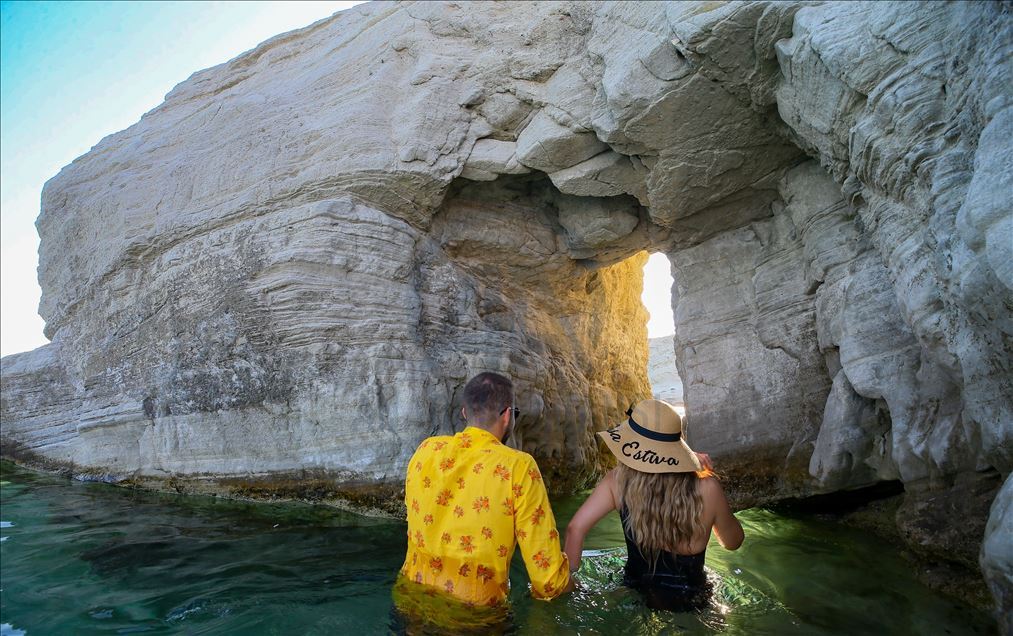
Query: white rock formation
[[997, 556], [662, 370], [285, 272], [908, 105]]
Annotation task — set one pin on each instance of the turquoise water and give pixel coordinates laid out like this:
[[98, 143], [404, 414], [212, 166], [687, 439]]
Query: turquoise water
[[79, 558]]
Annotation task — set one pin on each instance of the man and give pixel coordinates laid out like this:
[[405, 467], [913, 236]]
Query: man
[[471, 500]]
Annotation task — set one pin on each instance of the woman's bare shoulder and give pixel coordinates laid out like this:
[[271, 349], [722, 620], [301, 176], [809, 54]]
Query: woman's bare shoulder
[[611, 478], [611, 481], [710, 487]]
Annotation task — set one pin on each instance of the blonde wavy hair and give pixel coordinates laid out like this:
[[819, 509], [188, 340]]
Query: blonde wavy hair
[[664, 510]]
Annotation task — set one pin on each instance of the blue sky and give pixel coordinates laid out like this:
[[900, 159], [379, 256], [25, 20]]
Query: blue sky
[[73, 72]]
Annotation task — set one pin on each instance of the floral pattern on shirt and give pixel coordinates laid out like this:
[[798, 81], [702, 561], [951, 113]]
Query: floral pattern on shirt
[[471, 502]]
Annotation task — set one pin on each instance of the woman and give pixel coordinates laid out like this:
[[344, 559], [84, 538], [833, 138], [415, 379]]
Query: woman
[[668, 503]]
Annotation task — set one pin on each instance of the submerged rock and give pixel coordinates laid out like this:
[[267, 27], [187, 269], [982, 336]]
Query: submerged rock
[[291, 266]]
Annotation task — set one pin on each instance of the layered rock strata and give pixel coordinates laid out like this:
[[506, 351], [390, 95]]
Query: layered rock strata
[[333, 340], [284, 273], [905, 110]]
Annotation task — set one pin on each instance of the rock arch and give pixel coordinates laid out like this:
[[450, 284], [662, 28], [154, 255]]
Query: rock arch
[[282, 275]]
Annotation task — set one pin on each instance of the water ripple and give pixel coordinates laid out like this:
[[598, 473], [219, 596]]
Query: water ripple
[[90, 558]]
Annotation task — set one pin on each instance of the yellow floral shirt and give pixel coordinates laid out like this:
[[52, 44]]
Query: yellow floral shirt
[[470, 500]]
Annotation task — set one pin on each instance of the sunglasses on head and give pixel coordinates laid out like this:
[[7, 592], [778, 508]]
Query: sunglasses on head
[[517, 411]]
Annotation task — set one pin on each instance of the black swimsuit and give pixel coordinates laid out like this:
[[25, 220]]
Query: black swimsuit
[[677, 582]]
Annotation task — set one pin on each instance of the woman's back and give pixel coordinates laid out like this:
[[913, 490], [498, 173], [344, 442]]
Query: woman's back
[[703, 512], [669, 573], [668, 502], [681, 573], [667, 521]]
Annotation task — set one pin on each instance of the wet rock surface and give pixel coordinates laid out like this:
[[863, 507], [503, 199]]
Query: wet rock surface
[[996, 558]]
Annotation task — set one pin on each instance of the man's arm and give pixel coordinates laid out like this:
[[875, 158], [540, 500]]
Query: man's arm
[[600, 503], [535, 526]]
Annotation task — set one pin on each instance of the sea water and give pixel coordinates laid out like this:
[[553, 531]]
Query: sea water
[[87, 558]]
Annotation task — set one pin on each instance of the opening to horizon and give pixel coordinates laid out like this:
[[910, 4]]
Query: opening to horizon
[[657, 299]]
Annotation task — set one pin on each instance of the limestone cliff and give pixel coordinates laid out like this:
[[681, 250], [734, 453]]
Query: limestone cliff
[[278, 279]]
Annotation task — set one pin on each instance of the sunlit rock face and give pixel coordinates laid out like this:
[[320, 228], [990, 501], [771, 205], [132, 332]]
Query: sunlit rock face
[[290, 267], [271, 277], [331, 338], [285, 273]]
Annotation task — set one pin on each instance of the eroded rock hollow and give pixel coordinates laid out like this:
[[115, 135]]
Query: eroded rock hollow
[[278, 280]]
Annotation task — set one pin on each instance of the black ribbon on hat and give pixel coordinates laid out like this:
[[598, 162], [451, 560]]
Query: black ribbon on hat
[[648, 433]]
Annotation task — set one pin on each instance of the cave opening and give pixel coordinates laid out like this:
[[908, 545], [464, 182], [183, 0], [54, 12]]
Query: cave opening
[[666, 384]]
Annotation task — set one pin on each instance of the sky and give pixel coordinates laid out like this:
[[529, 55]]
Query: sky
[[657, 296], [74, 72]]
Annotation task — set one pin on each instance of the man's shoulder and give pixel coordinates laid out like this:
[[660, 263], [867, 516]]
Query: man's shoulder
[[436, 440], [521, 460], [512, 454], [432, 445], [524, 457]]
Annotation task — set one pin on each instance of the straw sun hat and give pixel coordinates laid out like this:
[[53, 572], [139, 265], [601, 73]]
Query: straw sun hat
[[651, 440]]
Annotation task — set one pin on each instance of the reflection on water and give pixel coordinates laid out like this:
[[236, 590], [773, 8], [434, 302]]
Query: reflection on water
[[90, 558]]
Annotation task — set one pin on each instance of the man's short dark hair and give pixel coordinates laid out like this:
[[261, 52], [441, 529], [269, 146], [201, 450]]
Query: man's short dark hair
[[485, 397]]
